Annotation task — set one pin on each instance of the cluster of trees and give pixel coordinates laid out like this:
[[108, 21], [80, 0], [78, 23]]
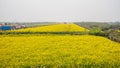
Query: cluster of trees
[[109, 30]]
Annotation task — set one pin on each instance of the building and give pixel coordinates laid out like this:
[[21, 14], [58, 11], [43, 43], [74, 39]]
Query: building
[[5, 27]]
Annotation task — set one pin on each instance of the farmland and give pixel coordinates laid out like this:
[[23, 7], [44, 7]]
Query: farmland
[[58, 51], [54, 28]]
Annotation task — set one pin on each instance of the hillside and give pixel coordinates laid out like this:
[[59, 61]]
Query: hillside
[[58, 51], [54, 28]]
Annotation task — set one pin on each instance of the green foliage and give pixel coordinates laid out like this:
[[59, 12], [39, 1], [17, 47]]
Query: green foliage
[[95, 30]]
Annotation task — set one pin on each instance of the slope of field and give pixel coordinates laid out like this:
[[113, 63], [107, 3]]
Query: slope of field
[[58, 51], [54, 28]]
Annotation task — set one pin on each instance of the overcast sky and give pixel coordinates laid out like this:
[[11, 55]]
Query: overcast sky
[[59, 10]]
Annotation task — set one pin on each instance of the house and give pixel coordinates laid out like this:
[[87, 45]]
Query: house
[[6, 27]]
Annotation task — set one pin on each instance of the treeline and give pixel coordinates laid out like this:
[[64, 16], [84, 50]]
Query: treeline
[[30, 32], [109, 30]]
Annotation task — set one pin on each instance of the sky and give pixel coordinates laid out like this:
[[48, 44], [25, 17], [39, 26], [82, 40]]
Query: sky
[[59, 10]]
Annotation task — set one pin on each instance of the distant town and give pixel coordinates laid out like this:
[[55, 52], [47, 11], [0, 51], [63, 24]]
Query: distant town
[[14, 26]]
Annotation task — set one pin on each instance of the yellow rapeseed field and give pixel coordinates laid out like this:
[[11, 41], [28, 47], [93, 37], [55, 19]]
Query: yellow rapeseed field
[[54, 28], [58, 51]]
